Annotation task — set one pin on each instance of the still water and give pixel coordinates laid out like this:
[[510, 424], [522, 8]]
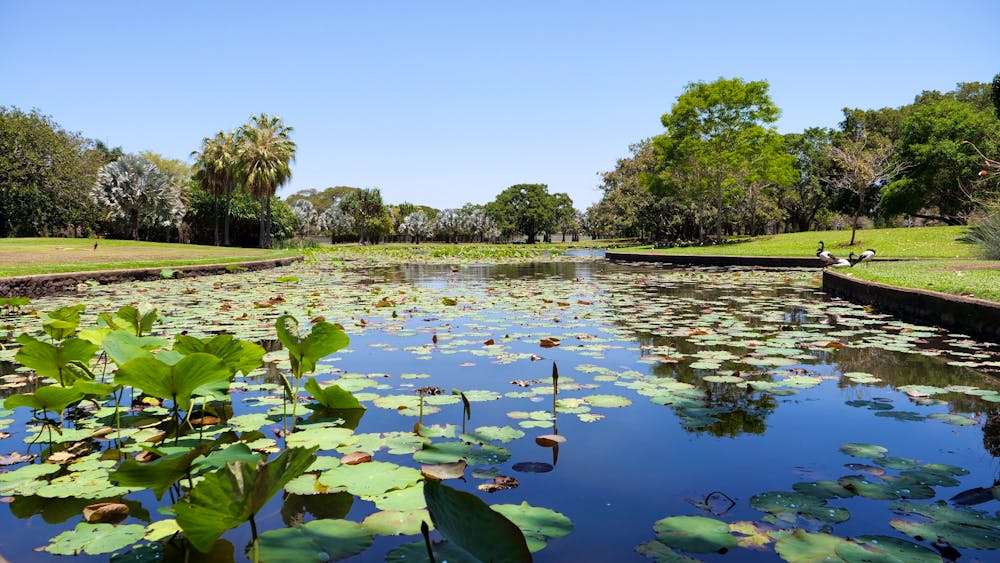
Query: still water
[[681, 392]]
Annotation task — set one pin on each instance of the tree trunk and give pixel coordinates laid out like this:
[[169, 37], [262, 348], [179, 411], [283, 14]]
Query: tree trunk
[[857, 215], [215, 215], [134, 221], [265, 223], [225, 234], [718, 218]]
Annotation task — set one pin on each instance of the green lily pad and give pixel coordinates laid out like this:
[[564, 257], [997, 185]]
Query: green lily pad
[[867, 451], [804, 547], [396, 522], [661, 553], [955, 419], [695, 533], [824, 490], [806, 505], [539, 525], [316, 541], [607, 401], [95, 539], [503, 434], [443, 550], [884, 549], [372, 478]]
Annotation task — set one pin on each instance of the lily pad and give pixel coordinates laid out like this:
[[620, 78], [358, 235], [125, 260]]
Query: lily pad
[[804, 547], [95, 539], [539, 525], [867, 451], [695, 533], [884, 549], [396, 522], [316, 541], [372, 478]]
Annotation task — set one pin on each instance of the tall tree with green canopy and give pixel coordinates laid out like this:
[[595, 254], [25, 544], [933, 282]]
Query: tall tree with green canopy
[[934, 140], [217, 170], [46, 174], [806, 194], [365, 208], [565, 214], [995, 94], [715, 131], [528, 209], [264, 151]]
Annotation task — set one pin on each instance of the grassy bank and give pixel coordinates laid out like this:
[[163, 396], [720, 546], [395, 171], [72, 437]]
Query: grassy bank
[[454, 253], [922, 242], [24, 256], [972, 278]]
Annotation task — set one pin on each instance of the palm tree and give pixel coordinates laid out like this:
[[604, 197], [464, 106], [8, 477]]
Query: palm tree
[[216, 170], [264, 152]]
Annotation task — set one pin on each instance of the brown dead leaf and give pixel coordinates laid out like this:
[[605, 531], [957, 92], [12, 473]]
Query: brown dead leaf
[[146, 457], [837, 345], [355, 458], [549, 440], [489, 342], [15, 457], [444, 471], [105, 513], [550, 342], [500, 483]]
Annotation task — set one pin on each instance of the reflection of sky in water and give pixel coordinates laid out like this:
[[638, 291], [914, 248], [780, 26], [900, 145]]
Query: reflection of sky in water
[[615, 477]]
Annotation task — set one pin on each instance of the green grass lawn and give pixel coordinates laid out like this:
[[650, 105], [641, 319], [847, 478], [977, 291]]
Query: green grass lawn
[[23, 256], [972, 278], [918, 242]]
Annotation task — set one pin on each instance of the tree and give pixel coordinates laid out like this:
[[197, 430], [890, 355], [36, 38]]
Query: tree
[[932, 139], [565, 214], [863, 164], [308, 218], [528, 209], [322, 200], [46, 175], [448, 225], [132, 189], [264, 152], [806, 194], [365, 208], [995, 94], [416, 225], [217, 171], [336, 222], [715, 133]]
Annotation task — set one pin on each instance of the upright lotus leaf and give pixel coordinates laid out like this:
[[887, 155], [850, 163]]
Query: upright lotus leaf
[[332, 397], [177, 382], [49, 360], [139, 320], [238, 355], [323, 340], [469, 523], [317, 541], [53, 398], [123, 346], [695, 533], [62, 322], [231, 495], [158, 474]]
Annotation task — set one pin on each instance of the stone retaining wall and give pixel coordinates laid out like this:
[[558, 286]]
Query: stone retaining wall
[[714, 260], [968, 315], [53, 284]]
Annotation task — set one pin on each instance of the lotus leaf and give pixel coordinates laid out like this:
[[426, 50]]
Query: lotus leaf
[[884, 549], [173, 382], [956, 419], [885, 491], [62, 322], [467, 521], [95, 539], [323, 340], [446, 452], [49, 360], [694, 533], [327, 437], [806, 505], [396, 522], [805, 547], [332, 397], [317, 541], [824, 490], [238, 355], [417, 551], [955, 533], [158, 474], [372, 478], [538, 525], [410, 498], [868, 451], [660, 553], [607, 401], [230, 495]]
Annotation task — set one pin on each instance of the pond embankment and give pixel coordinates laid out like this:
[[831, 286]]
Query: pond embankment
[[39, 285], [977, 317]]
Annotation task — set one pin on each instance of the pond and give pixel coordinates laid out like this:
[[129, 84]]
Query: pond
[[698, 414]]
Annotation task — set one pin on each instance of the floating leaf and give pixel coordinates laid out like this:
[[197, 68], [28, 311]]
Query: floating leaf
[[105, 512], [884, 549], [317, 541], [804, 547], [444, 471], [95, 539], [396, 522], [694, 533], [373, 478], [869, 451], [539, 525]]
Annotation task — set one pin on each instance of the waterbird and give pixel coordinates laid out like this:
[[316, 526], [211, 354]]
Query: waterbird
[[866, 255], [825, 255], [842, 263]]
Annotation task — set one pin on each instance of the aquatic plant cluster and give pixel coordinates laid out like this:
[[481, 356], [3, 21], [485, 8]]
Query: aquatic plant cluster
[[336, 409]]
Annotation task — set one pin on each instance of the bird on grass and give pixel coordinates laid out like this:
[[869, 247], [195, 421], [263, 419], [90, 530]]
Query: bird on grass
[[842, 263], [825, 255], [865, 256], [95, 246]]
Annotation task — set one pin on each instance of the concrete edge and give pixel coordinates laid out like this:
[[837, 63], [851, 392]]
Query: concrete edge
[[39, 285], [968, 315], [718, 260]]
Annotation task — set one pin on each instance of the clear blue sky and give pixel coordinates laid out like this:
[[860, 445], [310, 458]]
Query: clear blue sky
[[447, 102]]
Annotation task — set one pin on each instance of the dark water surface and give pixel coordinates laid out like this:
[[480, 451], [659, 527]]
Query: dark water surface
[[676, 386]]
